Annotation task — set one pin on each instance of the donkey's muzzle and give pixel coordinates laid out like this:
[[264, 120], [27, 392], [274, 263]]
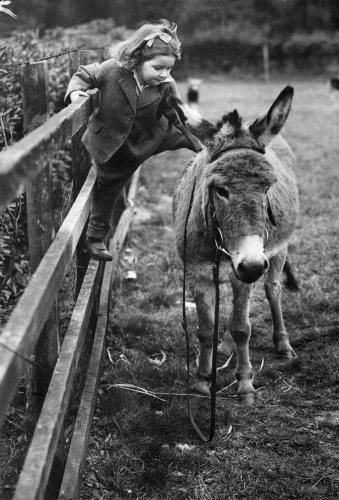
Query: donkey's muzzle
[[250, 271]]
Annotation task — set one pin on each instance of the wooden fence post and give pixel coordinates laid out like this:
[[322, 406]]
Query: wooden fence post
[[41, 231], [40, 221], [102, 54], [81, 164], [266, 62]]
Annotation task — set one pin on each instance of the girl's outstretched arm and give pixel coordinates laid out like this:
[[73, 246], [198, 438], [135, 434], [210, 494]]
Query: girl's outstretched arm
[[75, 94], [87, 77]]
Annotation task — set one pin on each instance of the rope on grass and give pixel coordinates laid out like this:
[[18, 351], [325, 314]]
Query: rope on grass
[[146, 392]]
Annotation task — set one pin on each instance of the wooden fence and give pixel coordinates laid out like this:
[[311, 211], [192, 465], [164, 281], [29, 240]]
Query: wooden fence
[[30, 341]]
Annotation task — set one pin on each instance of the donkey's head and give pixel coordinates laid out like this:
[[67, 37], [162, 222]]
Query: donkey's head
[[237, 180], [235, 187], [230, 133]]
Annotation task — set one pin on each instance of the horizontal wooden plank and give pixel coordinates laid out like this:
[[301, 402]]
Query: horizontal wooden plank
[[22, 331], [75, 464], [39, 459], [21, 162], [70, 487]]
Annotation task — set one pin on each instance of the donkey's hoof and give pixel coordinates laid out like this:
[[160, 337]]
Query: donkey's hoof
[[201, 387], [247, 399], [285, 354], [283, 348]]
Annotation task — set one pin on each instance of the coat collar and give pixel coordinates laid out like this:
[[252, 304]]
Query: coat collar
[[148, 95], [128, 85]]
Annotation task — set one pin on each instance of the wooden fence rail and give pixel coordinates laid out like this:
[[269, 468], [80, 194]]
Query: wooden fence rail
[[20, 163], [20, 167]]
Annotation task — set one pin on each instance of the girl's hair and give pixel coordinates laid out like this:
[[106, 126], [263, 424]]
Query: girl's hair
[[139, 48]]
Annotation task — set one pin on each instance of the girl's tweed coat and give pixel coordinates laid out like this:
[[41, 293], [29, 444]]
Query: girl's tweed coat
[[121, 113]]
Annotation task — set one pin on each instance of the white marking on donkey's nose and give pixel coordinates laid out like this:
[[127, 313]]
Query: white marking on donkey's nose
[[251, 261]]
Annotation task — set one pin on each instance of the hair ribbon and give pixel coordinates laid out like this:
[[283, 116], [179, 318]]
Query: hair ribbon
[[165, 37]]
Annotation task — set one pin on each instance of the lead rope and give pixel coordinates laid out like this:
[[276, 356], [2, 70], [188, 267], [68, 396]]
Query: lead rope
[[216, 265]]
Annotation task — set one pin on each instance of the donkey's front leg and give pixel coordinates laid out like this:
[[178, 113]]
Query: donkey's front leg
[[273, 294], [204, 297], [240, 328]]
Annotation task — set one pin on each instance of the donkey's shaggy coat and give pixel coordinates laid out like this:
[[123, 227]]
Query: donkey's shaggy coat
[[246, 171]]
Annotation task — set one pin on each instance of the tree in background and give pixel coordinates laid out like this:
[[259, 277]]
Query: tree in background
[[282, 16], [221, 34]]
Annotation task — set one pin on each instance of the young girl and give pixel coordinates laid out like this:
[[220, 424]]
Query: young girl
[[129, 124]]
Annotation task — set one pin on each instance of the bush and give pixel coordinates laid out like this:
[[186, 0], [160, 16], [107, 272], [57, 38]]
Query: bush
[[25, 46], [317, 48], [223, 48], [16, 49], [241, 47]]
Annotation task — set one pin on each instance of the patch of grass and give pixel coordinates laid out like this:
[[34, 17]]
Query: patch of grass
[[157, 299], [284, 446]]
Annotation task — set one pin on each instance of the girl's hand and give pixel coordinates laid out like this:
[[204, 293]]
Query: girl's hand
[[74, 96]]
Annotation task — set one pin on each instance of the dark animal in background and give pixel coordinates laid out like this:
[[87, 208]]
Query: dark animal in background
[[333, 88], [244, 174], [193, 92], [334, 83]]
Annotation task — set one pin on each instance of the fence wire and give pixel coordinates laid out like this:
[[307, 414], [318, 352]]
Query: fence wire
[[50, 56]]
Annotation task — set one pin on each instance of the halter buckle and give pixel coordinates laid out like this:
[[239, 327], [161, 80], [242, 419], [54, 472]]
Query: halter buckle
[[218, 236], [265, 238], [220, 244]]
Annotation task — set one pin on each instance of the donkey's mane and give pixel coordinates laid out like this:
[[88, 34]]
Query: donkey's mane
[[233, 119]]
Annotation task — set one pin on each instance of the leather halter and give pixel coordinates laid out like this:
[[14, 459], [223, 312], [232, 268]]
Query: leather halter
[[218, 237], [258, 149]]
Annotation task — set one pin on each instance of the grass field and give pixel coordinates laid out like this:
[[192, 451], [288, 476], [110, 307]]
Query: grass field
[[285, 445]]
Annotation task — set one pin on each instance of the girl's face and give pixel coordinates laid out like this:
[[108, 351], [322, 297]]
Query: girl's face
[[156, 70]]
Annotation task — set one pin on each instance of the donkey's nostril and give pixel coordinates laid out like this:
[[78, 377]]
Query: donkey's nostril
[[241, 267], [250, 271]]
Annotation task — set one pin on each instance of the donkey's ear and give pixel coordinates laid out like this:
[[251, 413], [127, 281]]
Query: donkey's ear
[[270, 124]]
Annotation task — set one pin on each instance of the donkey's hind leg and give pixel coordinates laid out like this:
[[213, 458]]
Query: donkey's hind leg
[[273, 293]]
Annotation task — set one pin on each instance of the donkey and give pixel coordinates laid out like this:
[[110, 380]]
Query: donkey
[[245, 172]]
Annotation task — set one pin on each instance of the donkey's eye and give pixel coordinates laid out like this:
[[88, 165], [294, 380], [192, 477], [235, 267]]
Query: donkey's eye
[[221, 191]]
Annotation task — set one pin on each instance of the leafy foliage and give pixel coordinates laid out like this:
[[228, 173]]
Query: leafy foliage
[[16, 49]]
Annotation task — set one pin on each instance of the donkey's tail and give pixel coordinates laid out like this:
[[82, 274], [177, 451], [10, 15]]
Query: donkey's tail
[[290, 282]]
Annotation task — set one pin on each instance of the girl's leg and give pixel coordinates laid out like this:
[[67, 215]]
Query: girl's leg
[[173, 139], [105, 195], [112, 177]]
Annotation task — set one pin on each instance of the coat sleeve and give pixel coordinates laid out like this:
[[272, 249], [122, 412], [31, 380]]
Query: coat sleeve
[[87, 77], [170, 107], [171, 90]]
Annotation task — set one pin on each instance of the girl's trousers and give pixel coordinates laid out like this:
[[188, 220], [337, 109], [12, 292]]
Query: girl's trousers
[[111, 178], [115, 173]]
